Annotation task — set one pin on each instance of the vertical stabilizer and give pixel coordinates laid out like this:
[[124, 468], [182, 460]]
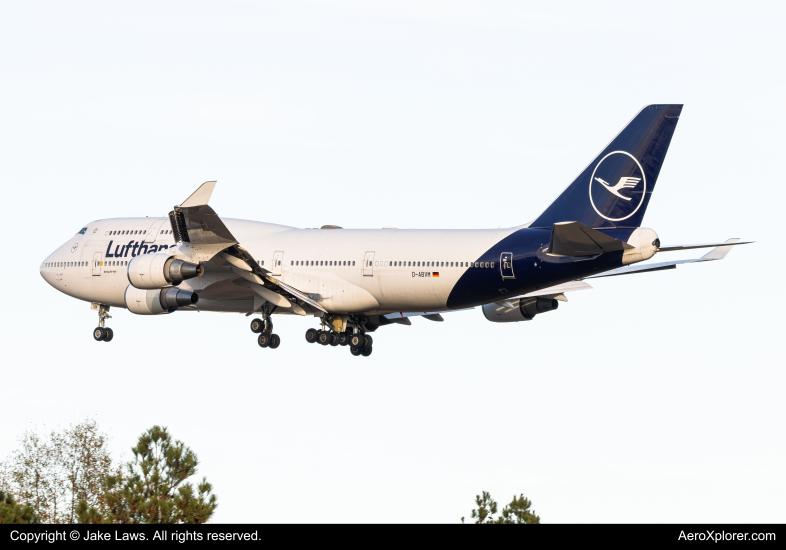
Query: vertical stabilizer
[[616, 187]]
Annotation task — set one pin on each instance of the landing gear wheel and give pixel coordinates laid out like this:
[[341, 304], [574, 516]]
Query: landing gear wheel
[[356, 340], [257, 325], [275, 341], [333, 339], [354, 350], [343, 339], [369, 341], [323, 337], [99, 334], [311, 335], [365, 352], [263, 340], [108, 334]]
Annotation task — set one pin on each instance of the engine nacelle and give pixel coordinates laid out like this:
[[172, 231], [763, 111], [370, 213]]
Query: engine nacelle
[[525, 310], [160, 270], [155, 302]]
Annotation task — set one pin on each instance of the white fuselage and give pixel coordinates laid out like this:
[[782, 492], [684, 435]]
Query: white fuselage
[[351, 271]]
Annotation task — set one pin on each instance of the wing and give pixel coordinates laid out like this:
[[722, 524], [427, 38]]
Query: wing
[[199, 230], [557, 292], [430, 315]]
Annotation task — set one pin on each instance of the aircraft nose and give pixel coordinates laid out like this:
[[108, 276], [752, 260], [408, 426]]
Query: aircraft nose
[[47, 268]]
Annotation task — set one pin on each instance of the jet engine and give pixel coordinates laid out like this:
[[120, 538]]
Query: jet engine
[[159, 270], [525, 310], [154, 302]]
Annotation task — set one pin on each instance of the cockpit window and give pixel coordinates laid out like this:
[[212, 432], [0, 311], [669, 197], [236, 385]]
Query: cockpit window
[[82, 231]]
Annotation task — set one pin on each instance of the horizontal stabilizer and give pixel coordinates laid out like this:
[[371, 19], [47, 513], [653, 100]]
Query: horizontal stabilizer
[[576, 239], [717, 253], [728, 244]]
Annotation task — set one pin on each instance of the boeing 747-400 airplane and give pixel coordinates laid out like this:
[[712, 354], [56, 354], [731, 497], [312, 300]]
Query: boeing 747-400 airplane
[[357, 280]]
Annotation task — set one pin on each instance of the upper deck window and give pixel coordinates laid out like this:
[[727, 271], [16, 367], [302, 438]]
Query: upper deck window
[[82, 231]]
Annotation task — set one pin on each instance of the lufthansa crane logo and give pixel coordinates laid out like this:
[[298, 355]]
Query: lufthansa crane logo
[[617, 186]]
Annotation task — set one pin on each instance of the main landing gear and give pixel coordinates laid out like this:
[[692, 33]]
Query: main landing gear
[[359, 343], [264, 327], [102, 333]]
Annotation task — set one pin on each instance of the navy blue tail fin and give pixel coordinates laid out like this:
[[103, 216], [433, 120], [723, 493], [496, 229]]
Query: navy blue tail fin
[[615, 189]]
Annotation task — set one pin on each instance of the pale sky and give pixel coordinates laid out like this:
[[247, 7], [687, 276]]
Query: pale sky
[[651, 398]]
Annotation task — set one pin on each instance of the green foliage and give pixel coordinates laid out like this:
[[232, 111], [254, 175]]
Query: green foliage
[[153, 488], [53, 472], [487, 507], [518, 511], [11, 512]]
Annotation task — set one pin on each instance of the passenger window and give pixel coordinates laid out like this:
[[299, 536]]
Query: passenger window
[[492, 265], [353, 262]]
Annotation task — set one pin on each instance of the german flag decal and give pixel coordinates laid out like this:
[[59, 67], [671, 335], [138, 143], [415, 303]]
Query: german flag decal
[[435, 274]]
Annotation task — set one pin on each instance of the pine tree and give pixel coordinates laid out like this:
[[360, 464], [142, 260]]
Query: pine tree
[[11, 512], [518, 511], [153, 488]]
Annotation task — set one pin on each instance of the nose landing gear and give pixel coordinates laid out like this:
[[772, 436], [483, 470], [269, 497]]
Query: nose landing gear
[[101, 333]]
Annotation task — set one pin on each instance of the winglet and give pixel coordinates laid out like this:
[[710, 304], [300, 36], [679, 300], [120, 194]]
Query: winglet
[[201, 195], [720, 252]]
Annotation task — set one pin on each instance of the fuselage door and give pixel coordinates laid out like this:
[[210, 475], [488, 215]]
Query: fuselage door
[[152, 232], [278, 258], [506, 265], [368, 265], [97, 263]]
